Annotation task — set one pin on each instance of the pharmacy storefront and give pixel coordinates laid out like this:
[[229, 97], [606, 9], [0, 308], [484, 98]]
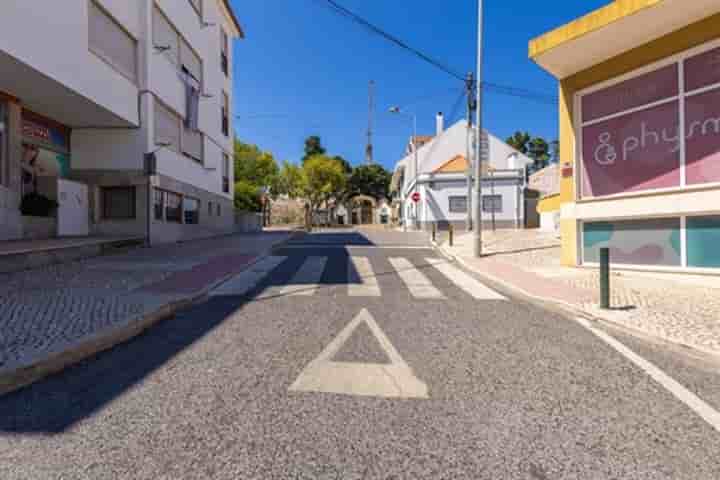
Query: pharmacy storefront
[[641, 166]]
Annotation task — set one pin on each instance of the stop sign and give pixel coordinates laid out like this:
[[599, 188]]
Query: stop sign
[[416, 197]]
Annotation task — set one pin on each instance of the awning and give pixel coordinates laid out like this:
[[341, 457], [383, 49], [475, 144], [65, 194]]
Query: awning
[[612, 30]]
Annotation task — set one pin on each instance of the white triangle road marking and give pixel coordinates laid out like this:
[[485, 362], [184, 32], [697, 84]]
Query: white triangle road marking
[[395, 380]]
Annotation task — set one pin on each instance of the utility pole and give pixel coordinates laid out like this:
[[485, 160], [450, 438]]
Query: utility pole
[[470, 88], [371, 103], [479, 146]]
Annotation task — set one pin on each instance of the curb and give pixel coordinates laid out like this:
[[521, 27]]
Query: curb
[[575, 310], [25, 375]]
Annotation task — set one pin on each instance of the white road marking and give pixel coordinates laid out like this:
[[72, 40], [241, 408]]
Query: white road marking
[[695, 403], [362, 282], [418, 284], [245, 281], [310, 246], [306, 281], [464, 281], [395, 380]]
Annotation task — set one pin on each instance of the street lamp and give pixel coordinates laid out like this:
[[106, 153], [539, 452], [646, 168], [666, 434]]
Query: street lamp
[[398, 111]]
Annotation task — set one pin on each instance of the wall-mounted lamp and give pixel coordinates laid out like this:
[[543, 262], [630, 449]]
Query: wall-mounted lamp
[[162, 48], [208, 24]]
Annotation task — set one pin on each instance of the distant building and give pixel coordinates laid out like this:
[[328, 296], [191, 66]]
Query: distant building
[[547, 183], [442, 185]]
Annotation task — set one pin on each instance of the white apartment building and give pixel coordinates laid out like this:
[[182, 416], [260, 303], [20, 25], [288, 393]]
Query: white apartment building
[[121, 112]]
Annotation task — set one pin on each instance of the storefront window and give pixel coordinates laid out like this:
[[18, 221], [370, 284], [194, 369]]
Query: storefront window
[[636, 242], [158, 203], [703, 238], [191, 209], [173, 207], [631, 132]]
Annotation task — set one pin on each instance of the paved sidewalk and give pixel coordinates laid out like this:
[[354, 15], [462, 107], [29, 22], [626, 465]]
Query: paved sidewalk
[[683, 309], [50, 311]]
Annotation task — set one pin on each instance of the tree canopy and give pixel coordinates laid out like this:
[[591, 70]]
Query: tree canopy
[[254, 170], [313, 147], [540, 150], [371, 180]]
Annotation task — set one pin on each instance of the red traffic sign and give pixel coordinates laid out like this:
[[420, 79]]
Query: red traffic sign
[[416, 197]]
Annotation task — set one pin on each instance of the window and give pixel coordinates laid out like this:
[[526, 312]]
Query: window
[[226, 173], [108, 40], [210, 209], [226, 115], [218, 210], [224, 49], [634, 242], [197, 6], [191, 210], [192, 143], [158, 203], [703, 238], [118, 203], [167, 39], [458, 204], [173, 207], [167, 127], [492, 203], [631, 130], [191, 61]]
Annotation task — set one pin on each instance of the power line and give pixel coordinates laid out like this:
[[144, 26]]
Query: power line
[[490, 87], [391, 38]]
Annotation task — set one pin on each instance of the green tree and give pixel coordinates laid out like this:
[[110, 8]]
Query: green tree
[[247, 197], [519, 141], [290, 180], [347, 168], [371, 180], [322, 179], [255, 166], [555, 151], [539, 151], [313, 147]]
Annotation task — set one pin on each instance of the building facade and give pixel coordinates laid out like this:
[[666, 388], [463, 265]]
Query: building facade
[[639, 133], [117, 112], [441, 182]]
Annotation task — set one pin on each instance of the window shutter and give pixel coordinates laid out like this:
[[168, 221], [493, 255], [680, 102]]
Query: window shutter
[[167, 127], [193, 143], [107, 39], [164, 35], [190, 61]]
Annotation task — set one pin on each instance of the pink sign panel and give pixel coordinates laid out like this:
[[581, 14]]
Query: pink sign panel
[[702, 139], [634, 152], [632, 93], [702, 70]]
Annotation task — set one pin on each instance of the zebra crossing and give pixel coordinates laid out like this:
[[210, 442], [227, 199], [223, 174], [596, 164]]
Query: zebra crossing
[[361, 281]]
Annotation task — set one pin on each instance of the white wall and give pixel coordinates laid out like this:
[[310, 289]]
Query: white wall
[[437, 200], [52, 37], [107, 149]]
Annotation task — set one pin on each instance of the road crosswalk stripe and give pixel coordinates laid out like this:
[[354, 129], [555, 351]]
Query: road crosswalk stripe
[[418, 284], [362, 281], [247, 280], [464, 281], [306, 281]]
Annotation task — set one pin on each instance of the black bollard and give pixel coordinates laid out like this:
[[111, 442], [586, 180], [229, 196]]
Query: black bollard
[[605, 278]]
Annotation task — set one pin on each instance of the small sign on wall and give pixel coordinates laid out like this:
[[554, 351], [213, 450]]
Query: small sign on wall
[[567, 171]]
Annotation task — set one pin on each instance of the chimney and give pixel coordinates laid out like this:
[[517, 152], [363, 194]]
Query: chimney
[[439, 124]]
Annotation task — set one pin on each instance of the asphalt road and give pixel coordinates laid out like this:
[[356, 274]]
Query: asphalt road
[[362, 356]]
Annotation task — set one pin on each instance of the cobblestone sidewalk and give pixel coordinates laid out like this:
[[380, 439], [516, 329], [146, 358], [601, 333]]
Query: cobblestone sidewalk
[[683, 309], [47, 310]]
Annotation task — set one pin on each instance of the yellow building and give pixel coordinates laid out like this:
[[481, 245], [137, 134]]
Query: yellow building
[[634, 75]]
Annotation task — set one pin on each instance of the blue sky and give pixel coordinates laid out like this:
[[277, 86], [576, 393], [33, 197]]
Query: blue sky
[[304, 70]]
